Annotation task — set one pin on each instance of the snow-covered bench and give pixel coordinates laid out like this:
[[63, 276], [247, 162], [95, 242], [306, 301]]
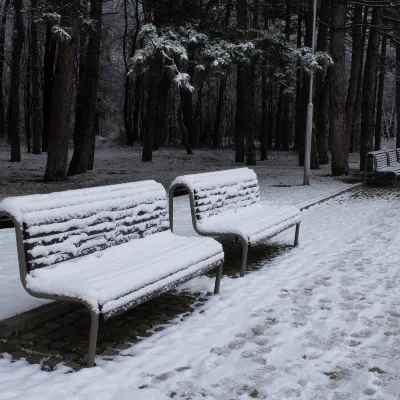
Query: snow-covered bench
[[109, 248], [227, 204], [383, 163]]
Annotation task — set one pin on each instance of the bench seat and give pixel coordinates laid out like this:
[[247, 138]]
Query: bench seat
[[127, 275], [257, 222]]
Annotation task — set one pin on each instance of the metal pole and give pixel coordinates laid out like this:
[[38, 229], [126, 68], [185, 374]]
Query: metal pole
[[310, 107]]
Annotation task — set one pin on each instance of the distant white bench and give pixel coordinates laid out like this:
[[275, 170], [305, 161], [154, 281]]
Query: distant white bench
[[383, 163], [227, 204], [109, 248]]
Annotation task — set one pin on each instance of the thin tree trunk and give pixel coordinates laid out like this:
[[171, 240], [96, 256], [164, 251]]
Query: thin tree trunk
[[216, 138], [298, 122], [337, 116], [2, 42], [148, 140], [398, 94], [355, 70], [379, 107], [368, 100], [60, 126], [48, 78], [28, 97], [36, 115], [185, 97], [322, 89], [356, 128], [286, 122], [279, 124], [14, 111], [264, 114], [84, 143]]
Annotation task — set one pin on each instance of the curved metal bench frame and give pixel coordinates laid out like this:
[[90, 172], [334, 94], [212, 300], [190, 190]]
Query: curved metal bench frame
[[242, 238]]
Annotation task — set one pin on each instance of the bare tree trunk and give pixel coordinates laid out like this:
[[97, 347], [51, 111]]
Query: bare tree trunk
[[368, 99], [379, 107], [286, 122], [147, 154], [181, 117], [264, 114], [355, 70], [28, 98], [322, 89], [356, 128], [48, 77], [60, 125], [36, 115], [216, 139], [298, 122], [398, 93], [14, 112], [337, 116], [2, 42], [84, 142]]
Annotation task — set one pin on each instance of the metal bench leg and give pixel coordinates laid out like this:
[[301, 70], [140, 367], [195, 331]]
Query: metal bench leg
[[218, 279], [244, 258], [296, 235], [94, 327]]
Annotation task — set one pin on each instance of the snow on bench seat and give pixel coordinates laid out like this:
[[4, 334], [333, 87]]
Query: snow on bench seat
[[109, 248], [227, 203], [128, 273]]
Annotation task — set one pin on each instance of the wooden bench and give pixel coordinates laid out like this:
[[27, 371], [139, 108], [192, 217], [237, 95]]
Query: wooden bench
[[226, 204], [383, 163], [109, 248]]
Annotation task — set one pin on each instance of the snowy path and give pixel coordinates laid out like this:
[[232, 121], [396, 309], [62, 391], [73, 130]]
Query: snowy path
[[318, 322]]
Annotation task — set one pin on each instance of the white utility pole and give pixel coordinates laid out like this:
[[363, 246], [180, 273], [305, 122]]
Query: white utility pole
[[310, 107]]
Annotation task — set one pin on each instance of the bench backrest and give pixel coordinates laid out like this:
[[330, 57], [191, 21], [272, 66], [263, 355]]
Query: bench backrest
[[380, 157], [392, 157], [61, 226], [214, 193]]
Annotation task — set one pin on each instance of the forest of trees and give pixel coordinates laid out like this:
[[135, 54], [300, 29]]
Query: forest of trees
[[205, 73]]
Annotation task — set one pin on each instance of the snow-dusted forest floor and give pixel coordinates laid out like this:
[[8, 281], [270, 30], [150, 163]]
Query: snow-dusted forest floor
[[320, 321]]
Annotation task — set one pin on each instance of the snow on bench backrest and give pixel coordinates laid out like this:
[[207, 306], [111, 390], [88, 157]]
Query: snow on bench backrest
[[392, 156], [217, 192], [65, 225], [380, 159]]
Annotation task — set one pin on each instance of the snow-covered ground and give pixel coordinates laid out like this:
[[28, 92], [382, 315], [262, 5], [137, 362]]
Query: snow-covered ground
[[320, 321], [280, 180]]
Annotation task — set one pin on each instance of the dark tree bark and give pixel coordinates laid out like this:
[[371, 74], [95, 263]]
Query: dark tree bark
[[186, 96], [6, 8], [321, 105], [28, 97], [148, 140], [355, 70], [84, 142], [279, 124], [337, 115], [162, 98], [368, 100], [356, 128], [216, 138], [381, 88], [298, 122], [48, 78], [286, 122], [60, 126], [14, 111], [264, 114], [35, 78], [398, 94]]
